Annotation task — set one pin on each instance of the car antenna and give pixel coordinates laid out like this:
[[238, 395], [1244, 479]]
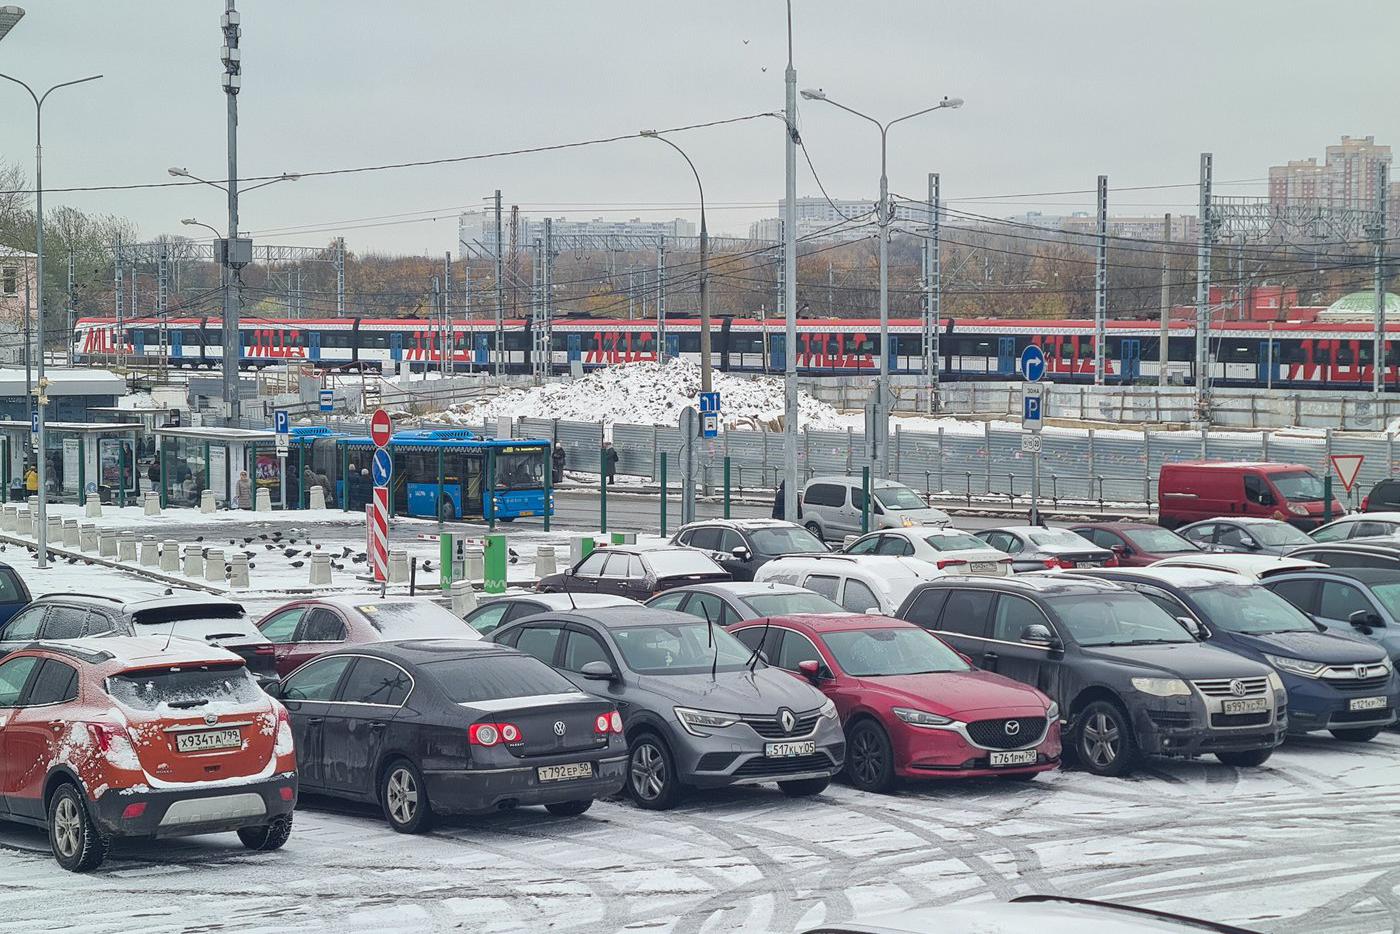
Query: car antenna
[[710, 634]]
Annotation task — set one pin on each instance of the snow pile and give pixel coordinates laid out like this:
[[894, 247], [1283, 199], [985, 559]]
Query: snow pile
[[651, 394]]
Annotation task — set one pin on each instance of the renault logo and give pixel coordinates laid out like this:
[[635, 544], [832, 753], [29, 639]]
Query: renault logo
[[211, 719], [786, 718], [558, 727], [1360, 671], [1013, 727], [1237, 688]]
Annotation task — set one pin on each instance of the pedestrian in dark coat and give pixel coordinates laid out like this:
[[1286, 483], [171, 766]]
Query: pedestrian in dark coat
[[609, 461]]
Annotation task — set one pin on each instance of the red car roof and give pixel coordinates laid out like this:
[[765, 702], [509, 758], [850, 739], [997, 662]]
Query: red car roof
[[832, 622]]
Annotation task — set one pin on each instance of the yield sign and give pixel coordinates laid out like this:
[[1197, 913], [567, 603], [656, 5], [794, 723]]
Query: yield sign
[[1347, 467]]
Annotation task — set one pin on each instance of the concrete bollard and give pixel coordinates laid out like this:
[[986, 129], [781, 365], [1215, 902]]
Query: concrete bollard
[[262, 499], [106, 543], [70, 534], [238, 571], [206, 501], [87, 537], [580, 546], [194, 561], [214, 568], [545, 563], [54, 529], [7, 518], [150, 555], [93, 507], [126, 546], [33, 503], [316, 498], [24, 523], [848, 541], [624, 538], [320, 569], [152, 504], [398, 566], [463, 597], [170, 556], [475, 568]]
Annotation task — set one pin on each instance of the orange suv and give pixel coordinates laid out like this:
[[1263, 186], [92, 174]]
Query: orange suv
[[141, 737]]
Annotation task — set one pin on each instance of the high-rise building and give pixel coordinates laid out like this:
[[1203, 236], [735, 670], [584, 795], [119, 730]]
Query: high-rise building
[[479, 227], [1300, 181], [1345, 180], [840, 219]]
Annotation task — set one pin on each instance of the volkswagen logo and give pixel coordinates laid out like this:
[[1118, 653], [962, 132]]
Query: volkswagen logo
[[1237, 688], [1360, 670], [1013, 727], [211, 719], [558, 727], [787, 720]]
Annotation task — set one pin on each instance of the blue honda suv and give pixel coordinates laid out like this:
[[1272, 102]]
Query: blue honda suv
[[1336, 681]]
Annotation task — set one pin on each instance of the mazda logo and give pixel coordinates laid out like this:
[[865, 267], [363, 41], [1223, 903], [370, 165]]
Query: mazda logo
[[558, 727], [1361, 671], [787, 719], [1238, 689], [211, 719], [1013, 727]]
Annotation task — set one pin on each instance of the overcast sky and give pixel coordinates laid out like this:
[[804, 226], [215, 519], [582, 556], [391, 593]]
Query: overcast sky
[[1056, 93]]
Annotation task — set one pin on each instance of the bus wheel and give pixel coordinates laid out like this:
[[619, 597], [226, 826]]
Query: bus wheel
[[505, 518], [446, 511]]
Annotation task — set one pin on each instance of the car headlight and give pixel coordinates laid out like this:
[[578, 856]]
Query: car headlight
[[1275, 681], [1161, 687], [696, 722], [1296, 665], [828, 709], [1297, 510], [920, 717], [1052, 713], [1385, 663]]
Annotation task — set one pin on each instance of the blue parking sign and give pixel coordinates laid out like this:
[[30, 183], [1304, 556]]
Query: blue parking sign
[[280, 422]]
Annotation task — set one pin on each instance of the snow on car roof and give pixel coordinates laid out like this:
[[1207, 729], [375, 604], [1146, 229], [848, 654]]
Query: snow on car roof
[[1250, 565], [1370, 516], [564, 601], [886, 567], [142, 651], [1187, 576]]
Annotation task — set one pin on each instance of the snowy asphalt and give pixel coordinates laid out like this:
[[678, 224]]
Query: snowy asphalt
[[1305, 844]]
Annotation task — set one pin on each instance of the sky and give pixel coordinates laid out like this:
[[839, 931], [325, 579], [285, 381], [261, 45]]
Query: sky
[[1057, 93]]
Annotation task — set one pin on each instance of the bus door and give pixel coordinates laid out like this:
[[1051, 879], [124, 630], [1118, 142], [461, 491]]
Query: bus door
[[1006, 356], [313, 343], [1129, 359]]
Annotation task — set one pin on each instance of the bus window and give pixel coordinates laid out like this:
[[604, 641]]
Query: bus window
[[521, 470]]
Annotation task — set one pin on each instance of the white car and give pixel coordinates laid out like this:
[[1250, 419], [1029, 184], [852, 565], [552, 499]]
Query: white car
[[1256, 567], [952, 551], [1358, 525], [860, 583]]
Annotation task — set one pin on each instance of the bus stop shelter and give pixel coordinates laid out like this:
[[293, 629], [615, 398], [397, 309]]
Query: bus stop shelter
[[82, 457], [195, 459]]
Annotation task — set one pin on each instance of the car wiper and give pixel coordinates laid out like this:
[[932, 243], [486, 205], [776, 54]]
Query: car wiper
[[1150, 642], [186, 704]]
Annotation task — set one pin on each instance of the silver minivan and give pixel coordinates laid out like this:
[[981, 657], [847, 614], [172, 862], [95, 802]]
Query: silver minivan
[[830, 507]]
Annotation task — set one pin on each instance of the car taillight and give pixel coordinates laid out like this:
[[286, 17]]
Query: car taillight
[[489, 734], [287, 792], [1111, 562], [133, 811], [1053, 563], [1365, 503], [951, 563], [615, 721], [601, 725]]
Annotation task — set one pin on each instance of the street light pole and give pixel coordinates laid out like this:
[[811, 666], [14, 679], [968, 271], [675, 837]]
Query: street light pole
[[706, 376], [232, 297], [39, 389], [793, 480], [884, 215]]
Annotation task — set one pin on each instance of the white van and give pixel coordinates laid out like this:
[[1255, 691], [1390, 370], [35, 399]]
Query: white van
[[860, 583], [830, 507]]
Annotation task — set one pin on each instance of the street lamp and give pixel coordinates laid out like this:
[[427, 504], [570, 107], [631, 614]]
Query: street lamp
[[186, 173], [11, 15], [705, 375], [192, 222], [884, 214]]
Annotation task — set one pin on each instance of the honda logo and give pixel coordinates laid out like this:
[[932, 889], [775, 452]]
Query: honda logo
[[1013, 727], [1238, 689], [1361, 671], [787, 720], [558, 727]]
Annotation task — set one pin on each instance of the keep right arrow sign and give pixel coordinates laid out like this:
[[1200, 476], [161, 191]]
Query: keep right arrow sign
[[1347, 467]]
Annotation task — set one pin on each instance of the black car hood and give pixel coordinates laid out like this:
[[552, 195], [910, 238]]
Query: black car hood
[[1189, 660], [762, 691], [1333, 648]]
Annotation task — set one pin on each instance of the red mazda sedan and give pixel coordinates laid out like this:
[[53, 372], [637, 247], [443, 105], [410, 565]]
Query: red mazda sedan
[[911, 706]]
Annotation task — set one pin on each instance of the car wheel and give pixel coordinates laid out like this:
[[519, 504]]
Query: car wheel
[[405, 798], [1364, 735], [805, 787], [77, 844], [651, 774], [267, 837], [869, 758], [1104, 742], [569, 808], [815, 530], [1248, 759]]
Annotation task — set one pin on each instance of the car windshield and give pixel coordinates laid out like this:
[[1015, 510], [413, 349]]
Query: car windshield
[[1116, 619], [680, 561], [1159, 541], [899, 497], [1389, 596], [520, 471], [1059, 538], [786, 540], [414, 619], [875, 653], [680, 649], [184, 688], [958, 541], [1298, 486], [1277, 533], [1249, 608], [492, 677], [791, 604]]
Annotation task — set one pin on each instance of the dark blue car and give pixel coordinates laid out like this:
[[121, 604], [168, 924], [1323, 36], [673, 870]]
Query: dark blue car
[[1365, 601], [14, 595], [1336, 681]]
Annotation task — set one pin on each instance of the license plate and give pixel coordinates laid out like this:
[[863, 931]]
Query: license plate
[[1018, 757], [787, 750], [1250, 705], [208, 739], [1367, 703], [564, 773], [983, 567]]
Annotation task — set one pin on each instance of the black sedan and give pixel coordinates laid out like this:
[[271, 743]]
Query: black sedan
[[727, 604], [448, 726], [635, 571]]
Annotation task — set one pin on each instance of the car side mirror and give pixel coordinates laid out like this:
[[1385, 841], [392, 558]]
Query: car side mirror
[[1037, 634], [1364, 619], [741, 553], [811, 670], [1267, 499], [1193, 627], [598, 671], [1250, 543], [273, 688]]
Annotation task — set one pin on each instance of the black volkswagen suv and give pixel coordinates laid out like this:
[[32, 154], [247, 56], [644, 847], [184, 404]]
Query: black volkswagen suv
[[742, 546], [1129, 678]]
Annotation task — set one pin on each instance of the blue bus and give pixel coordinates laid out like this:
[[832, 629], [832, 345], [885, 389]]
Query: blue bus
[[450, 473]]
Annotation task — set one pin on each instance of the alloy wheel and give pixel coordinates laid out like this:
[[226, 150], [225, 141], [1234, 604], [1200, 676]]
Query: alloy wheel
[[67, 828], [1101, 740], [867, 758], [648, 771], [402, 795]]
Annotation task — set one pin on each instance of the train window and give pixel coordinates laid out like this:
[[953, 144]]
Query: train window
[[1181, 349], [689, 343], [374, 339], [1237, 352], [1344, 355], [1289, 352], [515, 340], [1367, 350], [1066, 350]]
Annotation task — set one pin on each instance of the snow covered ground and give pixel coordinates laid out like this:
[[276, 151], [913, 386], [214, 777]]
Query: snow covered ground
[[1305, 844]]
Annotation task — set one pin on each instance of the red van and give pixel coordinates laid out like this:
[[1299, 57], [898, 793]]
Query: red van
[[1196, 490]]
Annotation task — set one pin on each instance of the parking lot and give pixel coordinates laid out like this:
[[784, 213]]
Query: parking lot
[[1305, 844]]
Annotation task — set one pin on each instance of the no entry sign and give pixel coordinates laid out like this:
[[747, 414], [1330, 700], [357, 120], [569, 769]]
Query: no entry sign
[[380, 428]]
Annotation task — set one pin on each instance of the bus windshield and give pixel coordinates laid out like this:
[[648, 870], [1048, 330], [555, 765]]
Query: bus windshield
[[520, 471]]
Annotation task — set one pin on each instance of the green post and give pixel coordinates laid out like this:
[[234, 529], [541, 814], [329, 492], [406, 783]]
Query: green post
[[344, 482], [726, 486], [548, 484], [865, 500], [602, 490], [495, 556], [489, 493], [440, 491], [663, 494], [121, 472], [445, 553], [164, 459], [301, 502], [82, 471], [5, 468], [204, 480], [1327, 497]]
